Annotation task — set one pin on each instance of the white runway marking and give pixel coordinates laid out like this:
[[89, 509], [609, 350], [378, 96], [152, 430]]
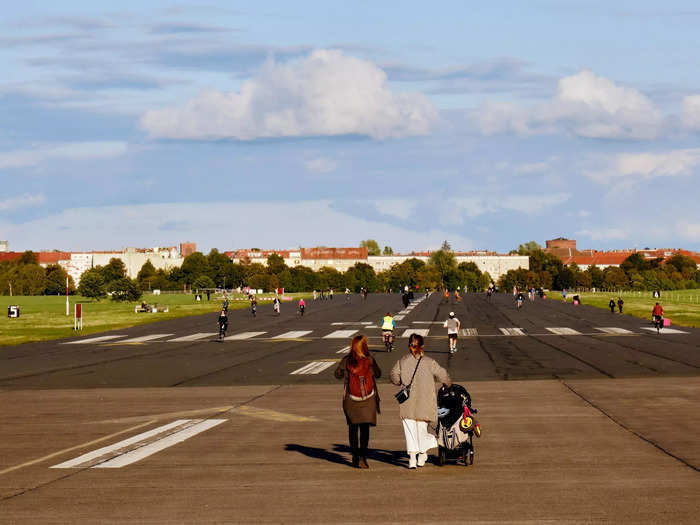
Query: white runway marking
[[562, 330], [142, 445], [419, 331], [315, 367], [344, 350], [614, 330], [243, 335], [145, 338], [664, 330], [512, 331], [93, 340], [293, 334], [427, 322], [192, 337], [399, 317], [340, 334], [469, 332], [343, 323]]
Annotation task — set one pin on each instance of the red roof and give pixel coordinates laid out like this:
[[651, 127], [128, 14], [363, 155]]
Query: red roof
[[42, 257], [334, 253]]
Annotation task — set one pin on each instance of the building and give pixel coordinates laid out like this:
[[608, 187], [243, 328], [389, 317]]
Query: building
[[4, 246], [187, 248]]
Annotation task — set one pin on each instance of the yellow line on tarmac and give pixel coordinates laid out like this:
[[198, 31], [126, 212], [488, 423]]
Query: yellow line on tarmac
[[82, 445], [171, 415], [271, 415]]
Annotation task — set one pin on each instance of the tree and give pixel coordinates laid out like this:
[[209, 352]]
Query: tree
[[203, 281], [28, 257], [92, 284], [597, 278], [56, 281], [125, 289], [614, 277], [218, 264], [446, 246], [444, 261], [193, 266], [388, 250], [146, 276], [113, 270], [528, 248], [371, 245], [276, 264], [681, 262], [31, 279], [361, 275]]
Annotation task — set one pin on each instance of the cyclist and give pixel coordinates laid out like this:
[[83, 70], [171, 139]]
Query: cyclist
[[519, 300], [388, 326], [223, 324], [347, 295], [276, 305], [225, 305], [452, 325], [657, 314], [253, 305], [489, 292], [302, 306]]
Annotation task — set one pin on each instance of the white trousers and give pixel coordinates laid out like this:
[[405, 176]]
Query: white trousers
[[418, 439]]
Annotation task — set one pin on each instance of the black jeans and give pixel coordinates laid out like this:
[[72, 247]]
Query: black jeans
[[360, 450]]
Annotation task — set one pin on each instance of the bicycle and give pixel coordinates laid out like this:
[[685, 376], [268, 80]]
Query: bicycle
[[658, 323], [222, 332], [253, 309], [388, 340]]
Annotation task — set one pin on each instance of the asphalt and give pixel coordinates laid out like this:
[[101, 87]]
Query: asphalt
[[590, 426]]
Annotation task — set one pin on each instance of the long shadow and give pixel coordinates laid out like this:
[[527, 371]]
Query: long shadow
[[341, 454]]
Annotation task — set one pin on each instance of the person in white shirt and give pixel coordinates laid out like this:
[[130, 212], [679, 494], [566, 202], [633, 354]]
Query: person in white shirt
[[452, 325]]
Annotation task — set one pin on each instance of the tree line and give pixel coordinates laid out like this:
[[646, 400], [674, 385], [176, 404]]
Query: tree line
[[636, 272]]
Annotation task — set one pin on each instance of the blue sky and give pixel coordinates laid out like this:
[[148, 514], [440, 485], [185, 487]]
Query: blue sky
[[277, 124]]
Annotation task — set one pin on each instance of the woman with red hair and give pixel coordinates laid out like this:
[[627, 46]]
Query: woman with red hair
[[360, 396]]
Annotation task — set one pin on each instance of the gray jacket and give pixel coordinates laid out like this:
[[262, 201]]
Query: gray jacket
[[422, 403]]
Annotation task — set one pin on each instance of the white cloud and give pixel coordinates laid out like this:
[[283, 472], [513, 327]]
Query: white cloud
[[321, 165], [23, 201], [113, 227], [456, 211], [399, 208], [69, 150], [691, 112], [326, 93], [585, 104], [689, 230], [634, 166], [604, 234]]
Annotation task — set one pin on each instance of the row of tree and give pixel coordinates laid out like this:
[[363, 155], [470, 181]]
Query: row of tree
[[634, 273]]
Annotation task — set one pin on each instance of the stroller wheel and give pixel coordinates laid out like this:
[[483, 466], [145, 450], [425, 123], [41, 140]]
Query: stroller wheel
[[442, 456]]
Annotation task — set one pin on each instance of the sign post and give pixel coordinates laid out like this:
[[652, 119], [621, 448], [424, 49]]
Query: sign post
[[67, 307], [78, 319]]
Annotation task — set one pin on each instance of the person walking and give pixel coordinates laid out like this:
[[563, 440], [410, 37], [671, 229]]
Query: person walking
[[611, 305], [620, 302], [302, 306], [360, 396], [419, 371], [452, 325]]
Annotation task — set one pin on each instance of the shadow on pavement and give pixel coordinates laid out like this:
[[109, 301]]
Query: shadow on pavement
[[341, 454]]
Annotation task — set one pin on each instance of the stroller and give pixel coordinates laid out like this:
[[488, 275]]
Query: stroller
[[457, 425]]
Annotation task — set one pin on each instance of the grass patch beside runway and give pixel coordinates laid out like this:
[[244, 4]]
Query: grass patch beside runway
[[682, 307], [43, 318]]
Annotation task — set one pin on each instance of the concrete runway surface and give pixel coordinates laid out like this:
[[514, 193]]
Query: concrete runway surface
[[587, 417]]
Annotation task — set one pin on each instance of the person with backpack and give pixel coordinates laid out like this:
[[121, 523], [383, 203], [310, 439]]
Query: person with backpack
[[620, 302], [420, 372], [360, 396]]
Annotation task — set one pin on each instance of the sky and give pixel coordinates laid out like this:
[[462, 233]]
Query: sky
[[284, 124]]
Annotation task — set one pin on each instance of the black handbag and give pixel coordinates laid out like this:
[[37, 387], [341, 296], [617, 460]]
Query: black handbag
[[403, 394]]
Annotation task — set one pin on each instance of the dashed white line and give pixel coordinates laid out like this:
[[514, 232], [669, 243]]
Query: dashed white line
[[562, 330], [467, 332], [344, 350], [512, 331], [192, 337], [419, 331], [243, 335], [614, 330], [93, 340], [664, 330], [294, 334], [145, 338], [315, 367], [340, 334]]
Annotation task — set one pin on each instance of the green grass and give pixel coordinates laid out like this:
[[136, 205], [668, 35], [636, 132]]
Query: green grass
[[682, 307], [44, 318]]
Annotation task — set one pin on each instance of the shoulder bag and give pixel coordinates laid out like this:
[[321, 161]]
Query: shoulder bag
[[403, 394]]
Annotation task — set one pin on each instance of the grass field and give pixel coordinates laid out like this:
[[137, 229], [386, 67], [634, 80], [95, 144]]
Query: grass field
[[682, 307], [44, 317]]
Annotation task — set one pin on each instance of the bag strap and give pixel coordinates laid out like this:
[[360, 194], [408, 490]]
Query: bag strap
[[416, 370]]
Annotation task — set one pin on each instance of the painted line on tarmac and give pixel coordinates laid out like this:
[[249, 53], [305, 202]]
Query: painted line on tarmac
[[340, 334], [76, 447], [614, 330], [512, 331], [294, 334], [419, 331], [243, 335], [145, 338], [344, 350], [469, 332], [562, 330], [142, 445], [93, 340], [192, 337], [314, 367], [153, 418], [664, 330], [427, 322], [271, 415], [343, 323]]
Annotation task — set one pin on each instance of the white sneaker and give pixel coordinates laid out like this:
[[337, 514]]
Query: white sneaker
[[422, 458], [411, 461]]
